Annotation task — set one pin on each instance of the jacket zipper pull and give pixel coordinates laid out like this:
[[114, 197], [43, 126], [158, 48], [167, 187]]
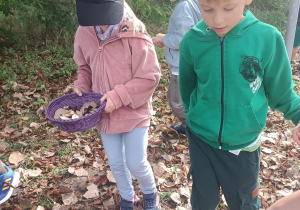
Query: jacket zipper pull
[[100, 49], [222, 40]]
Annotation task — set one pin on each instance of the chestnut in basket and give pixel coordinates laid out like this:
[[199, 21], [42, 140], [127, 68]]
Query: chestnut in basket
[[71, 113]]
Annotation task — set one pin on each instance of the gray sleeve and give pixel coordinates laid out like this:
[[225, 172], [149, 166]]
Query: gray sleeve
[[183, 25]]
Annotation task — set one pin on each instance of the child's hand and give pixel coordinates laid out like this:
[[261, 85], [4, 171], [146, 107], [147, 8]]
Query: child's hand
[[296, 134], [156, 43], [158, 40], [109, 107], [77, 91]]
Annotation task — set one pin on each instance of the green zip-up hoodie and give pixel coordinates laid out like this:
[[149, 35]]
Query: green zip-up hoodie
[[226, 85]]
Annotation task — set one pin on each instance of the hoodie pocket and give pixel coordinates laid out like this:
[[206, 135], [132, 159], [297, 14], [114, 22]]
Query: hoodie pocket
[[206, 118], [240, 123]]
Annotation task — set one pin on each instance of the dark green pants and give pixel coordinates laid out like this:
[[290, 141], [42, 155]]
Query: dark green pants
[[212, 168]]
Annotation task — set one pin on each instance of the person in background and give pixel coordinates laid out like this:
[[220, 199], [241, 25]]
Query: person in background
[[8, 180], [296, 45], [186, 14], [229, 75], [116, 58]]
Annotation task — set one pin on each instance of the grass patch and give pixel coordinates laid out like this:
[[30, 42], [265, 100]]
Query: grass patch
[[165, 196], [37, 63]]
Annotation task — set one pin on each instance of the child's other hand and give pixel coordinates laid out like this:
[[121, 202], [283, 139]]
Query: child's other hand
[[296, 134], [155, 42], [158, 40], [109, 107], [77, 91]]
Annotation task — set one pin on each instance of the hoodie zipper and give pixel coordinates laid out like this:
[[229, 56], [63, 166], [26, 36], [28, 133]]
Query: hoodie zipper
[[100, 47], [222, 92]]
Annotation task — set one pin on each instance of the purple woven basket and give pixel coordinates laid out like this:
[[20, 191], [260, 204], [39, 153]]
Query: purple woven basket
[[73, 100]]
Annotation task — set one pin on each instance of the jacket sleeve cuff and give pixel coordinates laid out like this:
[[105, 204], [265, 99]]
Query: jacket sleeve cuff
[[82, 88], [113, 95]]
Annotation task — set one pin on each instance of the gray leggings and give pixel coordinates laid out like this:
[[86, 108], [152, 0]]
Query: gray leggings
[[174, 99], [127, 154]]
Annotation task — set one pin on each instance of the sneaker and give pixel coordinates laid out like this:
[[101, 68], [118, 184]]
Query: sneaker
[[151, 201], [127, 204], [7, 180], [178, 128]]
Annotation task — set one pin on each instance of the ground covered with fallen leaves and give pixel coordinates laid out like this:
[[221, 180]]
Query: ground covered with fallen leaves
[[61, 170]]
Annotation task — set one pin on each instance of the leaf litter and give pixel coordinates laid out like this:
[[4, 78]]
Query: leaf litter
[[61, 170]]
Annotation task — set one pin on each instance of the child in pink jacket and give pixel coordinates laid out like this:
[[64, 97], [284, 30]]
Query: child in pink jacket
[[116, 58]]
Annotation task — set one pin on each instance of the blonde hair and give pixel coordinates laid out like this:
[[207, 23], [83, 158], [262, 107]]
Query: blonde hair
[[138, 26]]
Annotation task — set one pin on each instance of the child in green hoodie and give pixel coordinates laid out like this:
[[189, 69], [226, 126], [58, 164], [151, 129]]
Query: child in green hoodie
[[232, 68]]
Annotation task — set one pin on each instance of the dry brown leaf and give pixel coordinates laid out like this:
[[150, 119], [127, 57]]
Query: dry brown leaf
[[25, 204], [102, 155], [9, 130], [87, 105], [22, 143], [92, 192], [109, 204], [78, 172], [65, 140], [175, 197], [2, 146], [87, 149], [185, 191], [96, 202], [159, 169], [16, 157], [30, 172], [48, 154], [18, 95], [181, 208], [41, 111], [69, 198], [267, 151], [65, 190], [40, 208], [3, 134], [64, 134], [35, 125], [158, 128], [181, 147], [110, 176], [98, 163], [182, 157], [43, 182], [77, 157], [59, 112], [167, 157]]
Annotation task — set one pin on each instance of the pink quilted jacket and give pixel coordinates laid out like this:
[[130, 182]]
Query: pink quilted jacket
[[125, 67]]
